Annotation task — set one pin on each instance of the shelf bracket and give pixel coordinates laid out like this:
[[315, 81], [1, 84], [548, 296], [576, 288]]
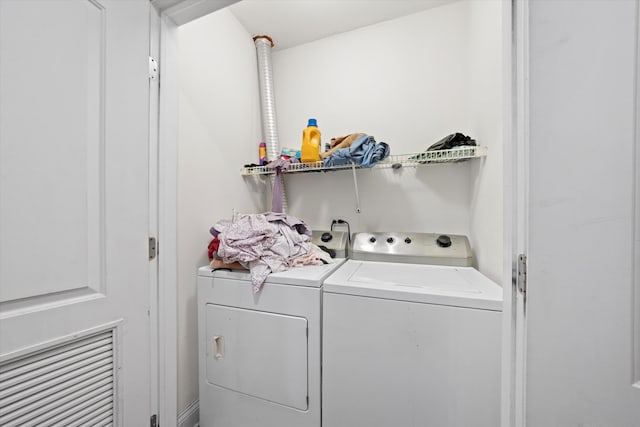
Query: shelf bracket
[[355, 185]]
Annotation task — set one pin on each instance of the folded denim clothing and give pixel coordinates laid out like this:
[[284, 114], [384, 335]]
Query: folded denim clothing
[[340, 142], [364, 152]]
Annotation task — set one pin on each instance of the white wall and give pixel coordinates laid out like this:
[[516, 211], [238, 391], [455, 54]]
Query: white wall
[[402, 81], [408, 82], [485, 122], [219, 131]]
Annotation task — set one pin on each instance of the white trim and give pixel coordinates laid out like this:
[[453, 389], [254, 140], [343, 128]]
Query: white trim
[[118, 383], [186, 11], [635, 250], [154, 308], [509, 133], [519, 205], [167, 201], [515, 51], [114, 325], [190, 417], [24, 306], [167, 223]]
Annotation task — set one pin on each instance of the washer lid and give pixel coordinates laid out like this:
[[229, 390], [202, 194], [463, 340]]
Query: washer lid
[[308, 275], [455, 286]]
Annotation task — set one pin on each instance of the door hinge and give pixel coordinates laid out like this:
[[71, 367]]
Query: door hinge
[[521, 274], [153, 69], [153, 421], [153, 248]]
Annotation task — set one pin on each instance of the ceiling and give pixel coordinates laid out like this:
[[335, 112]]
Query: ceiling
[[294, 22]]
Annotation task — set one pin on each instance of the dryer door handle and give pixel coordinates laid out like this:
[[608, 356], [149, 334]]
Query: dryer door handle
[[218, 344]]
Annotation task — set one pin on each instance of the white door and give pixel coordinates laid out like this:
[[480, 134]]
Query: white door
[[583, 299], [74, 212]]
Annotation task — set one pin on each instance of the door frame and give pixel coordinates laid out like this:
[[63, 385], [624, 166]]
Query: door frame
[[155, 306], [515, 53], [516, 217], [167, 224], [170, 14]]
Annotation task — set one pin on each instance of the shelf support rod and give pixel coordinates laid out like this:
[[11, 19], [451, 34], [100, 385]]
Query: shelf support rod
[[355, 185]]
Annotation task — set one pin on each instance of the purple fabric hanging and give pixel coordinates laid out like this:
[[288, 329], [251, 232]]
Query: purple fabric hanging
[[279, 165], [276, 200]]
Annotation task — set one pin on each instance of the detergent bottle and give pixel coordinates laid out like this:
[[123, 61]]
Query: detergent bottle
[[262, 153], [310, 151]]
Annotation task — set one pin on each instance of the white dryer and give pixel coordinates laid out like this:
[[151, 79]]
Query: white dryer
[[259, 354], [410, 344]]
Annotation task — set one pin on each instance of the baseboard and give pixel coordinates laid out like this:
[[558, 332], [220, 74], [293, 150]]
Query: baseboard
[[190, 417]]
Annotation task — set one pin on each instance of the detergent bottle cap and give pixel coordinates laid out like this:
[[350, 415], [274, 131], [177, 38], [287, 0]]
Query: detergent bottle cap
[[312, 122]]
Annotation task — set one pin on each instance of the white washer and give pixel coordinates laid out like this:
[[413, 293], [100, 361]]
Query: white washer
[[408, 344], [259, 354]]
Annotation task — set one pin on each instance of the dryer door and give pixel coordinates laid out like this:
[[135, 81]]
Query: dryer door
[[257, 353]]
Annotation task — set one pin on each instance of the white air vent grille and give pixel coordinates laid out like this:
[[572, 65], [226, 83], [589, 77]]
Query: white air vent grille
[[65, 385]]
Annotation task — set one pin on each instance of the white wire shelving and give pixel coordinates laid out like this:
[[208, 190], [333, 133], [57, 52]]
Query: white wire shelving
[[457, 154]]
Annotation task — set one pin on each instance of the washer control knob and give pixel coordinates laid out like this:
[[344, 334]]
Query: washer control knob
[[407, 240], [389, 239], [443, 241], [326, 237], [372, 239]]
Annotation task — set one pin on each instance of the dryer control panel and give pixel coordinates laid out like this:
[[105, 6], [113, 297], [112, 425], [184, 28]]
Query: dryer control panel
[[333, 240]]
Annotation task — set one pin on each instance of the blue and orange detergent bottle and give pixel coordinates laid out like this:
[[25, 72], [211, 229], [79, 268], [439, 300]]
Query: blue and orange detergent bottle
[[310, 151]]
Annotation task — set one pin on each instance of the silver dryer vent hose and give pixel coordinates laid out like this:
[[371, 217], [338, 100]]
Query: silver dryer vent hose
[[267, 103]]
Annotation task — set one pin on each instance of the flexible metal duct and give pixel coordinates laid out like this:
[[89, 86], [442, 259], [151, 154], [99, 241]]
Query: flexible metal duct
[[268, 104]]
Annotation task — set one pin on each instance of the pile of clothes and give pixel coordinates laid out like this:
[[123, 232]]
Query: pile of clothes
[[263, 243], [451, 141], [454, 140], [358, 148]]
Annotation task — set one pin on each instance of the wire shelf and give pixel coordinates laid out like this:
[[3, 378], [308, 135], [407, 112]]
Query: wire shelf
[[457, 154]]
